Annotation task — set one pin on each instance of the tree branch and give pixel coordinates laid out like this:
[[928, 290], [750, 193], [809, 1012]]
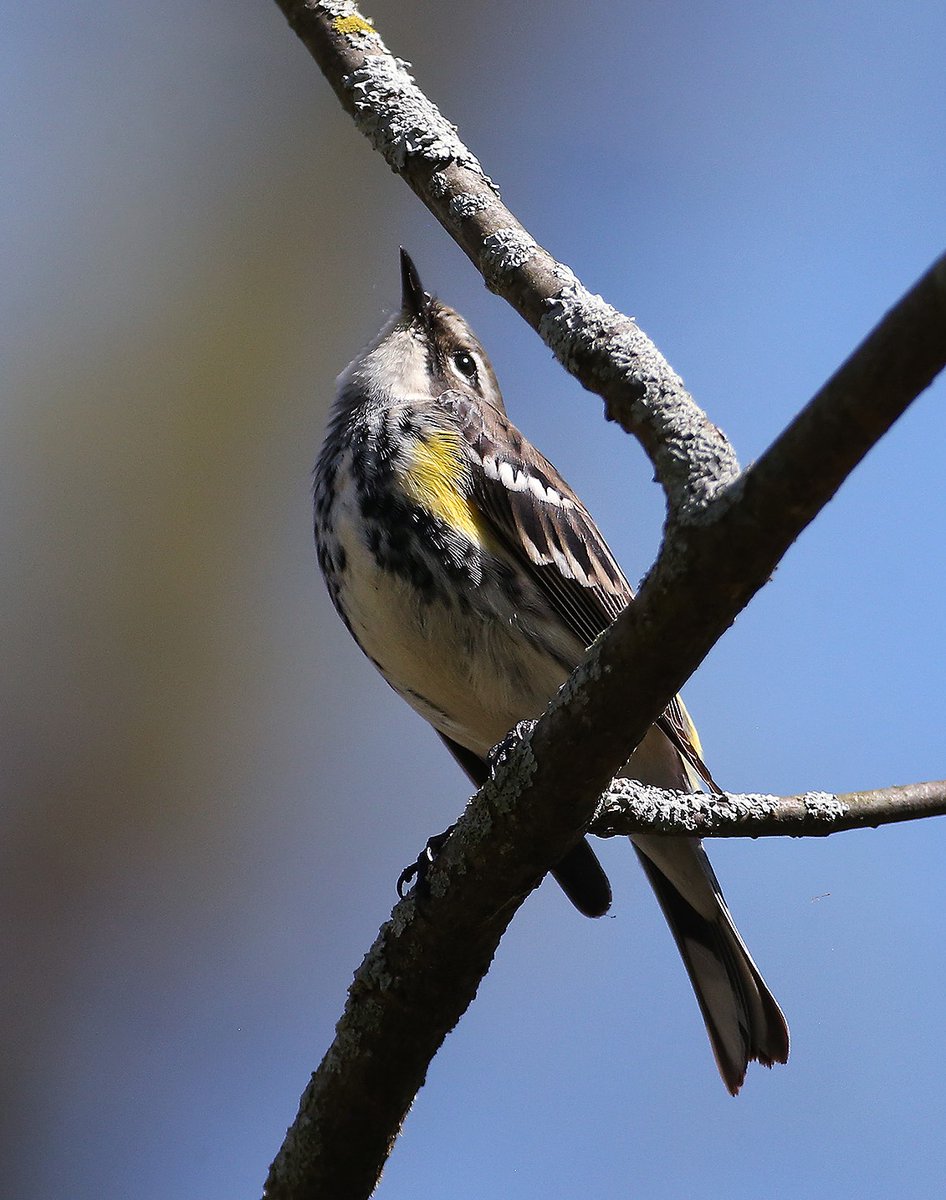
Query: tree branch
[[729, 533], [629, 807], [605, 350]]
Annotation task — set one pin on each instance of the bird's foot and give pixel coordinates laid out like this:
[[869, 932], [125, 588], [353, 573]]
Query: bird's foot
[[517, 734], [417, 872]]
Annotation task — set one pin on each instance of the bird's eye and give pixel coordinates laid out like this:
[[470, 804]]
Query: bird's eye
[[465, 363]]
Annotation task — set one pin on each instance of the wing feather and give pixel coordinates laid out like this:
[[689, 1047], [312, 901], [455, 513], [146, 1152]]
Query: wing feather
[[541, 521], [543, 524]]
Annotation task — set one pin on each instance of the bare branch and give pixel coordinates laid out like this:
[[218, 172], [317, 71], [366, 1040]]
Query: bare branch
[[629, 807], [414, 985], [707, 573], [601, 347]]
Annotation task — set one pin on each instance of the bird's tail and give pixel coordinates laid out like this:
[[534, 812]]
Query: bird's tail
[[742, 1017]]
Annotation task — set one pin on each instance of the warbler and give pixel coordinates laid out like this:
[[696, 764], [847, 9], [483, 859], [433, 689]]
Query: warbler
[[474, 578]]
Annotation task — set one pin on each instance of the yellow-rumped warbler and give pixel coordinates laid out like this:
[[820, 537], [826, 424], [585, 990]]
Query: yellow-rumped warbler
[[474, 579]]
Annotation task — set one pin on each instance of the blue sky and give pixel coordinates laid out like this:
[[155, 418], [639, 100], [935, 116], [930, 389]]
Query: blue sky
[[208, 792]]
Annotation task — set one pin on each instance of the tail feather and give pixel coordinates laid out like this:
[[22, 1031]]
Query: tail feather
[[581, 877], [742, 1017]]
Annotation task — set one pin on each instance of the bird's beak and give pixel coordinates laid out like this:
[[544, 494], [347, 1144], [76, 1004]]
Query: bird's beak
[[414, 300]]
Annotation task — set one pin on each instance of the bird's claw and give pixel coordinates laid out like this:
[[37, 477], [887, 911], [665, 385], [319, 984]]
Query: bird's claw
[[418, 870], [519, 732]]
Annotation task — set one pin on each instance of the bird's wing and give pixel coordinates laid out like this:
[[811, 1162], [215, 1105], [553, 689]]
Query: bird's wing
[[678, 726], [541, 522]]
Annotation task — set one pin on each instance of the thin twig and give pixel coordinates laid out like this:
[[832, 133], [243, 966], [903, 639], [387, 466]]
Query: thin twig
[[629, 807]]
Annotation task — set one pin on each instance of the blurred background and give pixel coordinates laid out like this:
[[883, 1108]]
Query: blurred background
[[208, 793]]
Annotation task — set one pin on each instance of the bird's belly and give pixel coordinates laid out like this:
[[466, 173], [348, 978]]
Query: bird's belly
[[472, 670]]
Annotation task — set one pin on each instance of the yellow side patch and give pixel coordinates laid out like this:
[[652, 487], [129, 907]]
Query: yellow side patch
[[691, 728], [436, 480]]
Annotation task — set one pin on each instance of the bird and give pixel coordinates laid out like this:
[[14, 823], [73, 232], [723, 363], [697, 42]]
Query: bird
[[474, 578]]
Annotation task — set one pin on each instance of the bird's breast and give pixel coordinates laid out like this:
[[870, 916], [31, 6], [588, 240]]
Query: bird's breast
[[453, 627]]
